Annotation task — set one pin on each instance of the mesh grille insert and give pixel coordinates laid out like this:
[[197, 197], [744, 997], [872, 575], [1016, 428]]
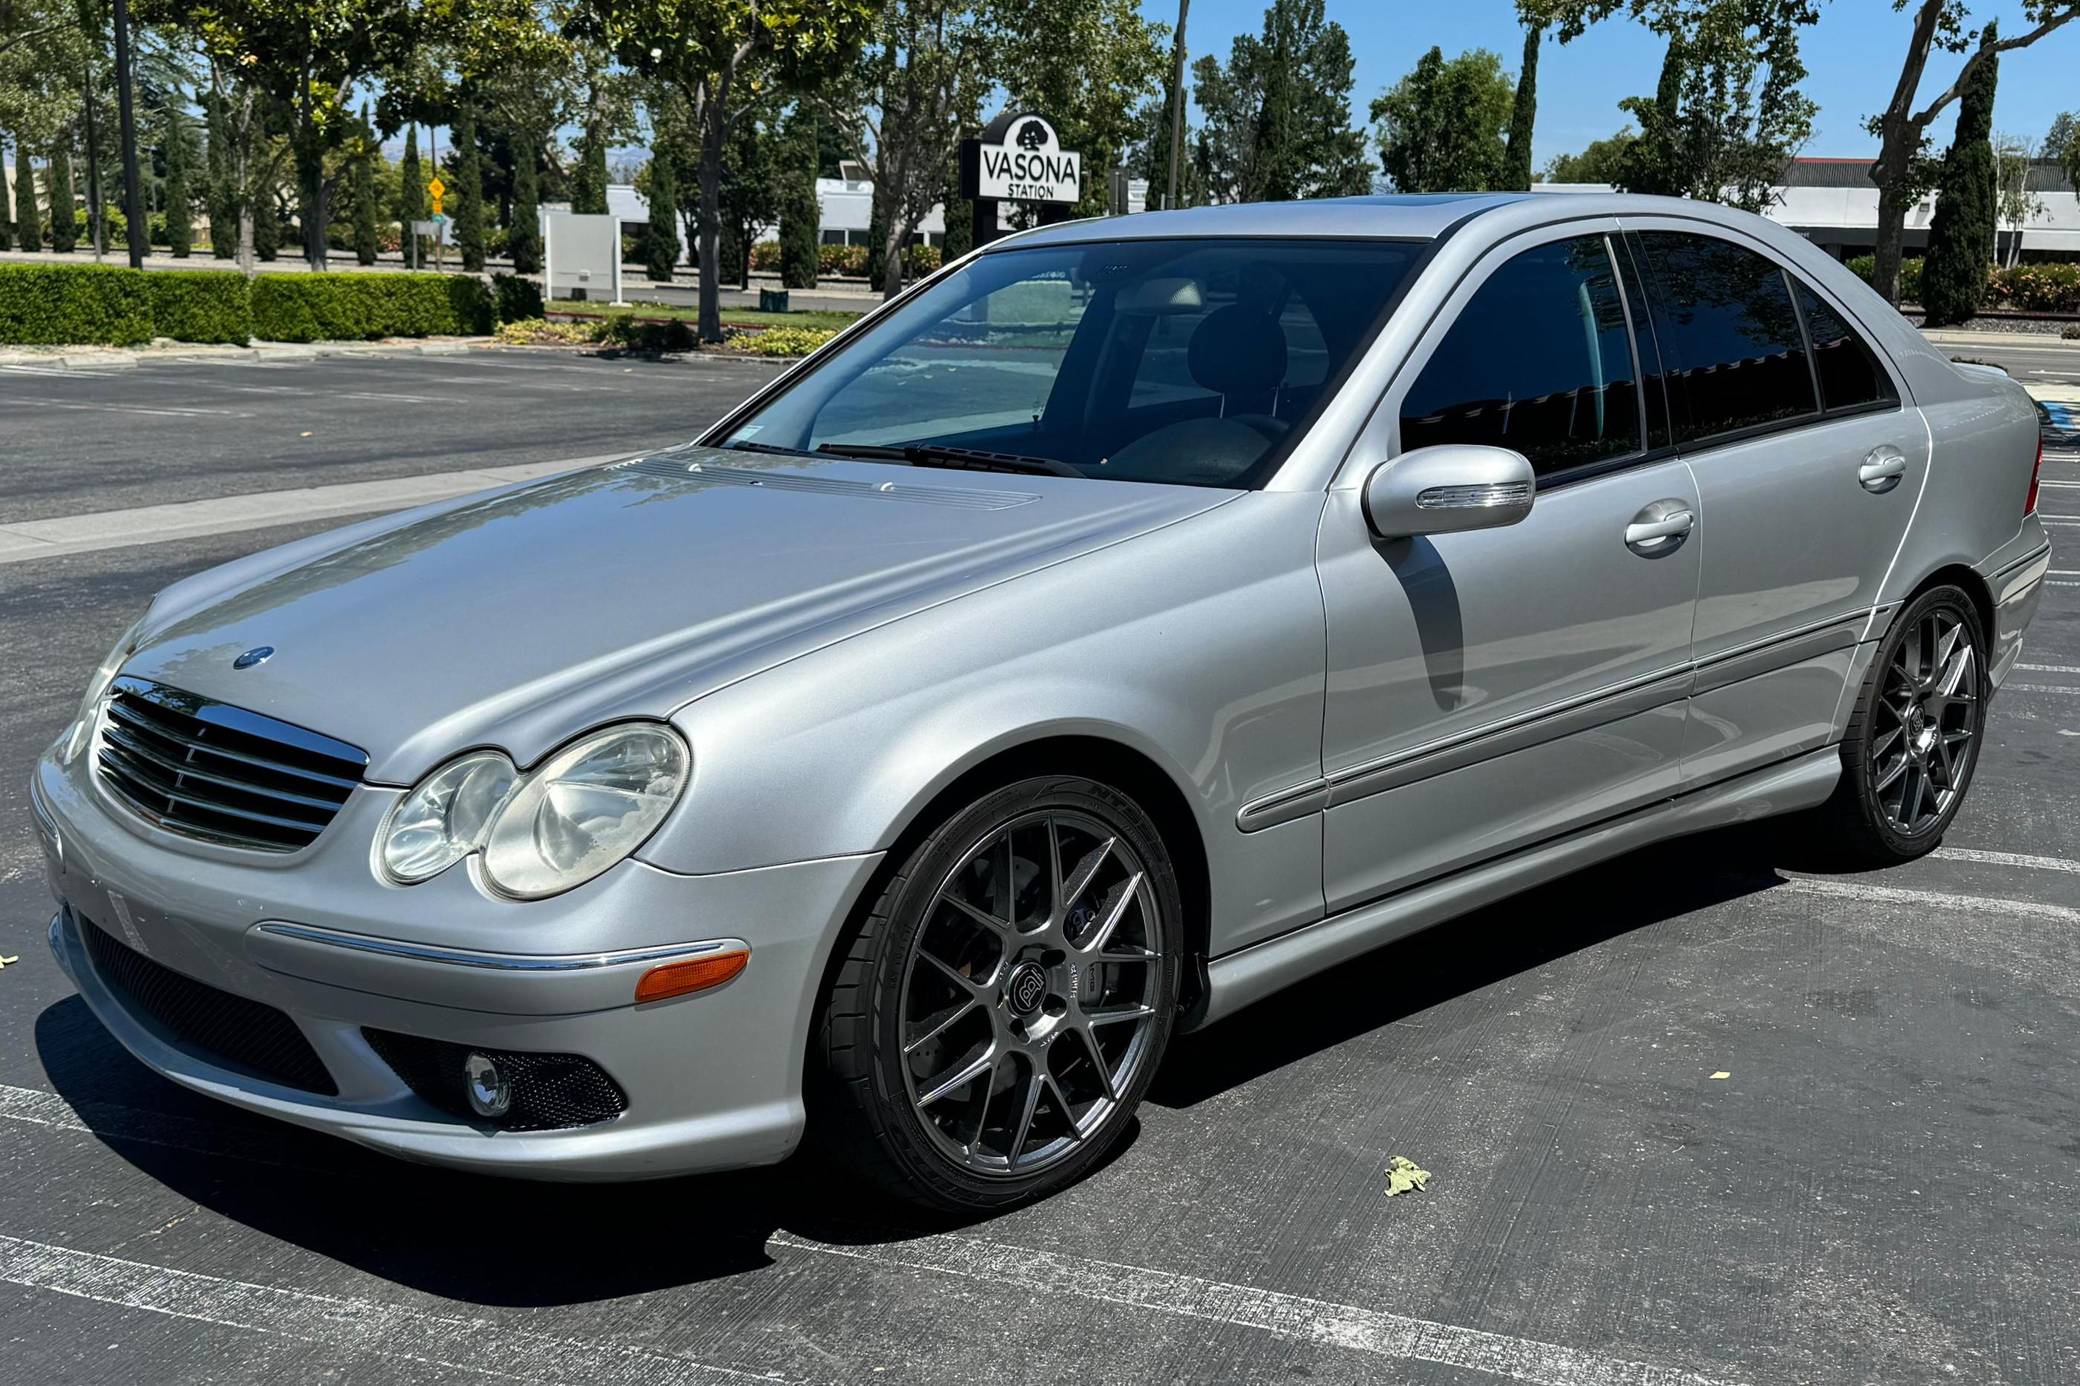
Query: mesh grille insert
[[234, 1032], [550, 1091]]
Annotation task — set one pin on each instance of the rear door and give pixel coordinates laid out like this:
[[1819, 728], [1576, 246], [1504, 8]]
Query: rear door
[[1808, 467], [1493, 688]]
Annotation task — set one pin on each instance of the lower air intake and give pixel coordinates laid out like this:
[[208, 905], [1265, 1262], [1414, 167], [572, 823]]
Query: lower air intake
[[551, 1092]]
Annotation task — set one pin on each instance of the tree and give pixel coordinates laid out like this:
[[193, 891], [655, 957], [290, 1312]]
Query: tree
[[1524, 112], [466, 169], [959, 212], [918, 82], [801, 215], [178, 148], [1902, 131], [2015, 167], [1603, 161], [367, 223], [1654, 163], [1441, 127], [1961, 234], [247, 152], [411, 192], [2062, 143], [718, 53], [28, 225], [660, 240], [1088, 65], [1278, 117], [64, 226], [524, 234]]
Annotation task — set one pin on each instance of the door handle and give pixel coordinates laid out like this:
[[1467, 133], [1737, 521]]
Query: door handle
[[1882, 470], [1659, 527]]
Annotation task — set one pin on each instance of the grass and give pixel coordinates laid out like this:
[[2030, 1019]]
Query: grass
[[741, 317]]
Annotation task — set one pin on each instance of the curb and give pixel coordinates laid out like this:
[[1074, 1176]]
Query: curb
[[121, 358]]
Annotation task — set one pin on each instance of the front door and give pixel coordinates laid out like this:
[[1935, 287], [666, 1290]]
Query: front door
[[1495, 688]]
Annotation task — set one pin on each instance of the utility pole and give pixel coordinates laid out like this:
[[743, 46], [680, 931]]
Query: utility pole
[[133, 200], [1177, 107]]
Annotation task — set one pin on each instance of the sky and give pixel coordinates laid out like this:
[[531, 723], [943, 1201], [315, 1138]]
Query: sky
[[1853, 56]]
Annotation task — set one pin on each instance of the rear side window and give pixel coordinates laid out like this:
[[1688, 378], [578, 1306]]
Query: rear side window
[[1850, 376], [1729, 336], [1539, 361]]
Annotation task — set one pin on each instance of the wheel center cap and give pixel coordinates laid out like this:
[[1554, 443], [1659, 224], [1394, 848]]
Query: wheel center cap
[[1026, 988]]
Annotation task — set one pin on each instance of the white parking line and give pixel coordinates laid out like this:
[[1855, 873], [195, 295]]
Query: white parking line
[[363, 1327], [2007, 859], [1373, 1331], [1900, 895], [2049, 668], [2043, 687], [170, 411]]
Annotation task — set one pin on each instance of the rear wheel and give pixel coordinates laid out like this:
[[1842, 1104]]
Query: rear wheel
[[1004, 1003], [1913, 739]]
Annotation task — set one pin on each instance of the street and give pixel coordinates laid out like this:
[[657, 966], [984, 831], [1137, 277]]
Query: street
[[1705, 1114]]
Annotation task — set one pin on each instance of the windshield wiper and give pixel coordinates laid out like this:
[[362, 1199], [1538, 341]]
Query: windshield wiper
[[946, 455], [748, 446]]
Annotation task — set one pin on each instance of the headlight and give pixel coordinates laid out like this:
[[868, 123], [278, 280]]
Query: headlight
[[546, 830], [82, 729]]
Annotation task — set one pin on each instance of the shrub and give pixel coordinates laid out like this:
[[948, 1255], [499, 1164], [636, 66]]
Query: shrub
[[74, 305], [782, 341], [2071, 332], [765, 256], [344, 307], [668, 335], [517, 298], [842, 259], [1863, 266], [2037, 288], [536, 332], [200, 306], [920, 260]]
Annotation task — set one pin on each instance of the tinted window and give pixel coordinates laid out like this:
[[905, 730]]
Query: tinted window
[[1182, 361], [1539, 360], [1729, 337], [1850, 375]]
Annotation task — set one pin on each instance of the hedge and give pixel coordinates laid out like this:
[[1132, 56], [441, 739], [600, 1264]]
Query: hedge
[[2032, 288], [110, 305], [74, 305]]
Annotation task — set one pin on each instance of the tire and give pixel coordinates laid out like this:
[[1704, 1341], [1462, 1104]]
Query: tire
[[1868, 821], [977, 959]]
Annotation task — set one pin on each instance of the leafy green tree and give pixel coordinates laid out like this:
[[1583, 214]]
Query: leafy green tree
[[524, 234], [28, 224], [1654, 163], [1278, 117], [64, 226], [1524, 113], [468, 190], [1088, 65], [1961, 234], [367, 221], [411, 183], [959, 236], [660, 240], [1603, 161], [178, 148], [716, 52], [801, 215], [1441, 127], [247, 152]]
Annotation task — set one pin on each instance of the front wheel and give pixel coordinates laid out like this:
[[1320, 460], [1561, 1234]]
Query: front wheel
[[1913, 738], [1005, 1001]]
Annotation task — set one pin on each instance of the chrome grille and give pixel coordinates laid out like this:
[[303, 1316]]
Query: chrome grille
[[218, 773]]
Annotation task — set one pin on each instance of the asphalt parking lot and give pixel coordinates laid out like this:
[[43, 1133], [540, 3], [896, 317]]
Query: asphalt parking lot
[[1883, 1186]]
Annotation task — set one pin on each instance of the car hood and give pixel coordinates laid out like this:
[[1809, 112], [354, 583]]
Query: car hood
[[521, 617]]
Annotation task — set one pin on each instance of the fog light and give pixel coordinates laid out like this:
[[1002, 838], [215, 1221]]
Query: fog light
[[490, 1092]]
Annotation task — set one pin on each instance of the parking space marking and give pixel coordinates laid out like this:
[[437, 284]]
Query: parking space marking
[[2043, 687], [2049, 668], [130, 1124], [170, 411], [1373, 1331], [362, 1327], [1939, 899], [2006, 859]]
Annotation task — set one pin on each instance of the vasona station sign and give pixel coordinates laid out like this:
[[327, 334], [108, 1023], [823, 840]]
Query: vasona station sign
[[1019, 158]]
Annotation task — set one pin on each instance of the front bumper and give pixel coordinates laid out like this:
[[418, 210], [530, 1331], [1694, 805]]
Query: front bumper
[[712, 1079]]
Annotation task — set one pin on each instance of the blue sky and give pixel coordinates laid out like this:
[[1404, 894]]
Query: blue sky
[[1853, 53]]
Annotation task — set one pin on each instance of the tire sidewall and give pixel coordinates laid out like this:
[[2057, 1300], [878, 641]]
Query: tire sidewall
[[909, 1145], [1863, 768]]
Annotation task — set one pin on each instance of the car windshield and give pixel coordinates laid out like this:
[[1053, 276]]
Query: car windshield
[[1198, 362]]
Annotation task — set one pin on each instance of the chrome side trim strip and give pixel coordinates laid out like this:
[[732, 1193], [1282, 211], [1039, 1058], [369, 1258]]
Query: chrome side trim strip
[[2025, 559], [1283, 806], [1778, 652], [500, 962]]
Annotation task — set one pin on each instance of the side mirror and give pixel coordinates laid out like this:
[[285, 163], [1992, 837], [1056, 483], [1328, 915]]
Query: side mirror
[[1444, 489]]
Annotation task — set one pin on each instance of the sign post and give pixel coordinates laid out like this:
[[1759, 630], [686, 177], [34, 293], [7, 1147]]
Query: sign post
[[1018, 158]]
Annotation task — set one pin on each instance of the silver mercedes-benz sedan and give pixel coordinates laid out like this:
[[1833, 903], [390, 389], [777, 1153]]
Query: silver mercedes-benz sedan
[[1133, 618]]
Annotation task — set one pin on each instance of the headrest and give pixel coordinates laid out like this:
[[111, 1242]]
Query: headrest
[[1238, 351]]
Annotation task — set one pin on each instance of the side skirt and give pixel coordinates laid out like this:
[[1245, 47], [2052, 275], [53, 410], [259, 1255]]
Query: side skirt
[[1241, 978]]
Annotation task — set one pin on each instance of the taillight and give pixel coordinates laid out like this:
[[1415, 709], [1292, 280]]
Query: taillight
[[2029, 507]]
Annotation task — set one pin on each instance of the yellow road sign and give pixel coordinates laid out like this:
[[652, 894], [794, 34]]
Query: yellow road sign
[[436, 187]]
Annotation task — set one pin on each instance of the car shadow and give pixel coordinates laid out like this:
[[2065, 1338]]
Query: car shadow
[[497, 1242]]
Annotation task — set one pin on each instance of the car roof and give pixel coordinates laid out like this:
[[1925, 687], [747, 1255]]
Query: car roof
[[1419, 216]]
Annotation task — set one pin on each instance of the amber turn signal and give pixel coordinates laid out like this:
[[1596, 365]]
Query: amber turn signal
[[692, 974]]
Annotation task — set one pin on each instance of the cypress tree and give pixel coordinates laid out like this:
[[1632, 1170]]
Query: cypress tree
[[367, 239], [411, 190], [1523, 113], [589, 182], [1961, 234], [267, 226], [800, 215], [1653, 164], [6, 222], [877, 239], [660, 244], [220, 198], [959, 237], [64, 220], [524, 236], [28, 227], [180, 225], [469, 187]]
